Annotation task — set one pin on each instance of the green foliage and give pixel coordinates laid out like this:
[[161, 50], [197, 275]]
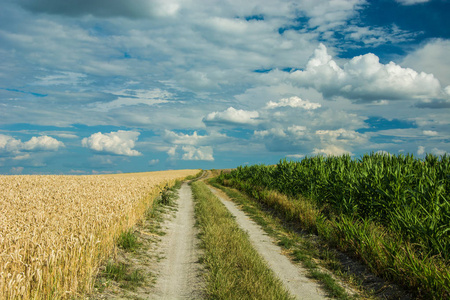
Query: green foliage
[[115, 271], [405, 194], [165, 195], [120, 272], [128, 240], [393, 212]]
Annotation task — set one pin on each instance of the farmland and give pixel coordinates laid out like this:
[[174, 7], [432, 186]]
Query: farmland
[[55, 231], [393, 212]]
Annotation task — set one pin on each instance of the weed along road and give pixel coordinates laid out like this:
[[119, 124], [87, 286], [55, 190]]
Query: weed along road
[[179, 276], [292, 276]]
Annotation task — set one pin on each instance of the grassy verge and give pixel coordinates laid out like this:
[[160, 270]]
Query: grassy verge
[[235, 269], [385, 253], [122, 271]]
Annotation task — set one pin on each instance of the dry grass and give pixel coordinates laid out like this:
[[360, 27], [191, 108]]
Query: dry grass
[[56, 230]]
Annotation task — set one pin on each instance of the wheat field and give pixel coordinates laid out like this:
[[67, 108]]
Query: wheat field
[[55, 230]]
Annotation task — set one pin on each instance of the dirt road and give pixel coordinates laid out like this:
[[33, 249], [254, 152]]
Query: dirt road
[[293, 276], [180, 275]]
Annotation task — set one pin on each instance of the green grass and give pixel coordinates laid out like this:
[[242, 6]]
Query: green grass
[[234, 268], [128, 241], [122, 273]]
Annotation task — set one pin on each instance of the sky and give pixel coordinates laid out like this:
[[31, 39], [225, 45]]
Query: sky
[[109, 86]]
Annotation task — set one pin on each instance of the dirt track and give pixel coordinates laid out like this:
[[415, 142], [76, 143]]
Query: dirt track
[[293, 276], [180, 276]]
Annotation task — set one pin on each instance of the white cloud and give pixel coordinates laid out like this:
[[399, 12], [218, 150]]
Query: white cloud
[[120, 142], [200, 153], [297, 131], [113, 8], [172, 151], [364, 79], [194, 146], [62, 78], [134, 97], [276, 132], [66, 135], [9, 144], [293, 102], [296, 156], [17, 170], [331, 150], [41, 143], [233, 116], [375, 36], [340, 134], [420, 150], [44, 143], [183, 139], [153, 162], [325, 15], [430, 133], [438, 152], [431, 57], [412, 2]]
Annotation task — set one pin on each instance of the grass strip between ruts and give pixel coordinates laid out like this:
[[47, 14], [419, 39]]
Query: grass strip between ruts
[[234, 268]]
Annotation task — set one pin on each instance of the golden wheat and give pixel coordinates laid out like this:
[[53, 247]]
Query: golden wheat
[[56, 230]]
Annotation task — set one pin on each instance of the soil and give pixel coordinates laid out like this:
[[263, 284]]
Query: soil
[[180, 271]]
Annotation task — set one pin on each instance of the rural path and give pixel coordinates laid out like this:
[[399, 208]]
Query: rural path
[[179, 276], [293, 276]]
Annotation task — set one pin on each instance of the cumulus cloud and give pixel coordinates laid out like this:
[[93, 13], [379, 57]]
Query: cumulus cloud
[[340, 134], [420, 150], [364, 79], [431, 57], [200, 153], [153, 162], [193, 146], [11, 145], [120, 142], [42, 143], [104, 8], [331, 150], [233, 116], [172, 151], [293, 102], [190, 152], [193, 139], [438, 152]]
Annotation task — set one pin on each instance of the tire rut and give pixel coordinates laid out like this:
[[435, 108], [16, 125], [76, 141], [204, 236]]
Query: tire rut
[[180, 270], [293, 276]]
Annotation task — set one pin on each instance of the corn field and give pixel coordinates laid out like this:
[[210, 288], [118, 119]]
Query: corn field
[[408, 195], [392, 212], [55, 231]]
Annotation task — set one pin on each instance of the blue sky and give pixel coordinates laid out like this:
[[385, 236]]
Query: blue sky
[[97, 86]]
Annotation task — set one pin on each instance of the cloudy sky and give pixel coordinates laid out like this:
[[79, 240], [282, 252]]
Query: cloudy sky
[[101, 86]]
